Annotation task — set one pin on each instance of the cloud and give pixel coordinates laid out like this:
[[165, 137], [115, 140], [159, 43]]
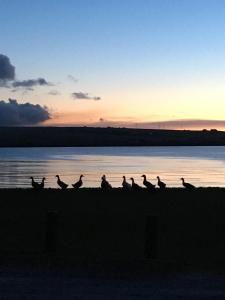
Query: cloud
[[84, 96], [8, 80], [14, 114], [54, 93], [7, 71], [185, 124], [182, 124], [72, 78], [31, 83], [25, 91]]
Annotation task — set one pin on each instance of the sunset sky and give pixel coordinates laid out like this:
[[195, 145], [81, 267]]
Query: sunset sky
[[135, 63]]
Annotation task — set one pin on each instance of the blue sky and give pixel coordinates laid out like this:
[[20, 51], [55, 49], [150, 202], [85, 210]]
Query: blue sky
[[149, 60]]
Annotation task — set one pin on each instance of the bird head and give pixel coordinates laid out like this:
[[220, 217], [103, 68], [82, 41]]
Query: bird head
[[157, 177], [43, 178], [182, 179], [103, 177], [132, 179], [31, 177], [124, 177], [57, 176], [81, 176], [143, 176]]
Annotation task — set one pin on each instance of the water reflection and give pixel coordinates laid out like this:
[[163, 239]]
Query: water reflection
[[204, 166]]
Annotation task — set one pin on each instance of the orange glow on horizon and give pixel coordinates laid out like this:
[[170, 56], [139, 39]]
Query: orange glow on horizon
[[95, 120]]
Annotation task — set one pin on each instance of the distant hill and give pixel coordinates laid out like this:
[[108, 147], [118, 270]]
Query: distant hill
[[89, 136]]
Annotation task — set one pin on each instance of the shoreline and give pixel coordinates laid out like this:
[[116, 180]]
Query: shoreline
[[143, 190]]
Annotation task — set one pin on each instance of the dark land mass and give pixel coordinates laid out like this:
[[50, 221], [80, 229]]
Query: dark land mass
[[88, 136]]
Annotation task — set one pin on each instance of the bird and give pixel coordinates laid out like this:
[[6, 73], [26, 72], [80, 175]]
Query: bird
[[147, 184], [161, 184], [187, 185], [125, 184], [34, 184], [61, 184], [134, 185], [105, 185], [79, 183], [42, 184]]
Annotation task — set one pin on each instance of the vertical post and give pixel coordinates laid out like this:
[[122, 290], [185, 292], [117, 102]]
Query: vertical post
[[51, 232], [151, 237]]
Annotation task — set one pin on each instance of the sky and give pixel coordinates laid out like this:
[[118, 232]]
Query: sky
[[133, 63]]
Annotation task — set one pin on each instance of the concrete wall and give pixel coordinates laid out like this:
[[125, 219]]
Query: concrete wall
[[174, 225]]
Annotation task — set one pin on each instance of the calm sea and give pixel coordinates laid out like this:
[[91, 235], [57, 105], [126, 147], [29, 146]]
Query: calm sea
[[202, 166]]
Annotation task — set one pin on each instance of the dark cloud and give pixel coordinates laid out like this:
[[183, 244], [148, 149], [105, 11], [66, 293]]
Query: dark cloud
[[72, 78], [54, 93], [14, 114], [84, 96], [30, 83], [7, 77], [7, 70]]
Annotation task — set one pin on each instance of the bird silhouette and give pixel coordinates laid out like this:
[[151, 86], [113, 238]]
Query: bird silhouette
[[79, 183], [34, 184], [134, 185], [105, 185], [125, 184], [161, 184], [61, 184], [42, 184], [148, 184], [187, 185]]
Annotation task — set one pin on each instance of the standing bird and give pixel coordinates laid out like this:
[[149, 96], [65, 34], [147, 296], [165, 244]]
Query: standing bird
[[148, 184], [79, 183], [105, 185], [34, 184], [61, 184], [134, 185], [42, 184], [125, 184], [161, 184], [187, 185]]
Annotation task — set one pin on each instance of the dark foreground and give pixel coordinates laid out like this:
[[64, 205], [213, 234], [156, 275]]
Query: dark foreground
[[91, 244]]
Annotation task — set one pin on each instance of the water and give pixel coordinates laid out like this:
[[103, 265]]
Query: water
[[202, 166]]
